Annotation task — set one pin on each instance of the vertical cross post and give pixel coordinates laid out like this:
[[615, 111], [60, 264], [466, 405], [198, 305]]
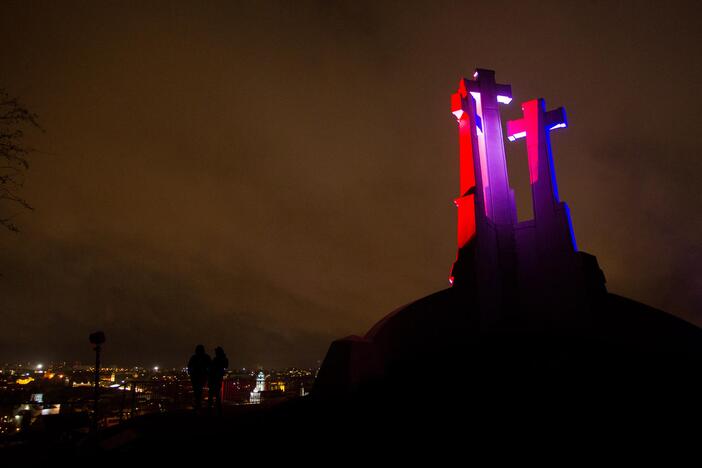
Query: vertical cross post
[[463, 108], [488, 94], [550, 214], [536, 126], [470, 202]]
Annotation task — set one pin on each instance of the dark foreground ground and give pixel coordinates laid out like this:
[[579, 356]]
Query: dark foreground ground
[[499, 418], [630, 380]]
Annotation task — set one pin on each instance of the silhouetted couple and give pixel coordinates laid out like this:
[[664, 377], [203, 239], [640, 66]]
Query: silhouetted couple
[[203, 369]]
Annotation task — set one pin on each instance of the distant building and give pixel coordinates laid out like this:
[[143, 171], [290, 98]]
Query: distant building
[[260, 387]]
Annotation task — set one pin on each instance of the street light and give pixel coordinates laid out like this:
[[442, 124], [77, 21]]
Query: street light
[[97, 339]]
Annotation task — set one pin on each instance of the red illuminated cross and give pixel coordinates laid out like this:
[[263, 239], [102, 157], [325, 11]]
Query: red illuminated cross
[[535, 126], [463, 108]]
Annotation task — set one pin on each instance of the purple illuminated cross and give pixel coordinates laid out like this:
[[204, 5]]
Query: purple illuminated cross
[[488, 94]]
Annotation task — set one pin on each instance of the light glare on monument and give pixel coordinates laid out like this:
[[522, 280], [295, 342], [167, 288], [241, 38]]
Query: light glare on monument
[[516, 136]]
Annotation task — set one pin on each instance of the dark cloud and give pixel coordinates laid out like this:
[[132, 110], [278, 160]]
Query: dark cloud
[[268, 176]]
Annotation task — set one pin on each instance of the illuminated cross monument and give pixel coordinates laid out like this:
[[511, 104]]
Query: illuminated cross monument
[[526, 311], [509, 264]]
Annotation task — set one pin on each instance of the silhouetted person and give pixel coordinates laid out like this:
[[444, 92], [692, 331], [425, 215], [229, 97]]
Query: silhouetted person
[[198, 369], [217, 369]]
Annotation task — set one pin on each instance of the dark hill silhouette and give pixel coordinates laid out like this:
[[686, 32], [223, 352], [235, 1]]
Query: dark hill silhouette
[[624, 345]]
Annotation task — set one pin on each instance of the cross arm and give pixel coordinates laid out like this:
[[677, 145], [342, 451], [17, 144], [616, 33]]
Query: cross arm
[[555, 118], [516, 129], [551, 120], [459, 104], [504, 93]]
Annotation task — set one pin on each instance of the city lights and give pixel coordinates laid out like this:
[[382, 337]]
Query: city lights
[[127, 392]]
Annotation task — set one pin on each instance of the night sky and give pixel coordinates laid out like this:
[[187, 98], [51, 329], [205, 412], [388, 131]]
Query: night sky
[[269, 176]]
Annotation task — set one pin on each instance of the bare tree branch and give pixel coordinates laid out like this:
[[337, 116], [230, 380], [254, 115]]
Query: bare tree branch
[[13, 156]]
